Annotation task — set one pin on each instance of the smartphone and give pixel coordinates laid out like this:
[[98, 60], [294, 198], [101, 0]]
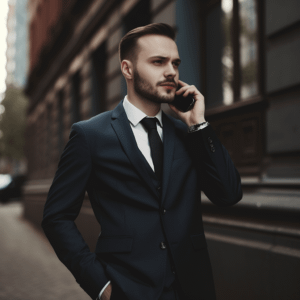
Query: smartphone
[[183, 104]]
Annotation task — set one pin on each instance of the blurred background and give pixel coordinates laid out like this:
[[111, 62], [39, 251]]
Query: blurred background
[[59, 64]]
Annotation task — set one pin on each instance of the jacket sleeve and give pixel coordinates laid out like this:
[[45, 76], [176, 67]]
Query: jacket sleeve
[[62, 207], [219, 179]]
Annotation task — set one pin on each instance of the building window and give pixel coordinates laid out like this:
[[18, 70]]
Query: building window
[[99, 58], [231, 52], [75, 98], [248, 48]]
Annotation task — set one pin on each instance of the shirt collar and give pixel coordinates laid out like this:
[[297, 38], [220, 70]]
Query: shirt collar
[[135, 115]]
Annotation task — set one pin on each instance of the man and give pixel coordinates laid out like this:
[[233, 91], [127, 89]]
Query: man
[[143, 171]]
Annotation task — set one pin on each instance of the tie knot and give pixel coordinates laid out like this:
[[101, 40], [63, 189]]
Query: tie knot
[[149, 123]]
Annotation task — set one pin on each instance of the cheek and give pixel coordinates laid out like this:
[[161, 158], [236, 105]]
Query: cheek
[[151, 76]]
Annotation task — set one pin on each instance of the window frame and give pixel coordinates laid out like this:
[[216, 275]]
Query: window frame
[[238, 103]]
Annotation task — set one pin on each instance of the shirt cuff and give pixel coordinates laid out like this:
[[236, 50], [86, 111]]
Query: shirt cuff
[[101, 292]]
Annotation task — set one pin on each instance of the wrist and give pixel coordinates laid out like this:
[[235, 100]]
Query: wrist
[[195, 122]]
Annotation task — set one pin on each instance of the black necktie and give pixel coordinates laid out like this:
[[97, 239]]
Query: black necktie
[[156, 145]]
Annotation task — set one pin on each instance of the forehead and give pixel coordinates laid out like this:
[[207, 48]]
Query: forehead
[[156, 45]]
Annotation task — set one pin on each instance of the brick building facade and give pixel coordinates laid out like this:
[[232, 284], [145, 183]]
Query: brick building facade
[[243, 56]]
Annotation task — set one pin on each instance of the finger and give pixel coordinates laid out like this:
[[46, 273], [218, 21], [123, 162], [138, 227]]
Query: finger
[[182, 82], [188, 91], [182, 89]]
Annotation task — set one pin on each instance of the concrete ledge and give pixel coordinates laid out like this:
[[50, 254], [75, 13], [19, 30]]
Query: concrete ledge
[[270, 182], [267, 199], [37, 186]]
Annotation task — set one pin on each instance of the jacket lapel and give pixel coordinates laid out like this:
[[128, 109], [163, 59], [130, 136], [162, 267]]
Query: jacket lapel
[[125, 135]]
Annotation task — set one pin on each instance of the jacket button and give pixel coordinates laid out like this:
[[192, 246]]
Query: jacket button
[[163, 245], [212, 149], [159, 188], [209, 140], [163, 211]]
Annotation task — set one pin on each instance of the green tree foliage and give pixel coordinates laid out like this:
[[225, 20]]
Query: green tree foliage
[[12, 124]]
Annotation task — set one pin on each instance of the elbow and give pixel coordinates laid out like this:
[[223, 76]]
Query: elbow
[[226, 199], [230, 198], [233, 191], [234, 197]]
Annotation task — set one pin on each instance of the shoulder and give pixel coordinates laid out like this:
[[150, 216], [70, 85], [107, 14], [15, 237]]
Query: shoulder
[[93, 125], [100, 119]]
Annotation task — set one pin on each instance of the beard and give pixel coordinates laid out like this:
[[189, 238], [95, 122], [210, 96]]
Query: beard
[[145, 90]]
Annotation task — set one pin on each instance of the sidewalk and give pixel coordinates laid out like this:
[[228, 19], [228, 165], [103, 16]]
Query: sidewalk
[[29, 268]]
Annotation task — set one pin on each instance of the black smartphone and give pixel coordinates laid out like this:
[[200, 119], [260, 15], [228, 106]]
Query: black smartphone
[[183, 104]]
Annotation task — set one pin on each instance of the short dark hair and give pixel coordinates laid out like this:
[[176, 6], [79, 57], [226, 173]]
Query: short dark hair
[[128, 44]]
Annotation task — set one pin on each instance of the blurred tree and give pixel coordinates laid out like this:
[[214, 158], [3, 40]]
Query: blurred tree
[[12, 124]]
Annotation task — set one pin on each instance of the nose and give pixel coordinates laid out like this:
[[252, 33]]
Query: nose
[[170, 71]]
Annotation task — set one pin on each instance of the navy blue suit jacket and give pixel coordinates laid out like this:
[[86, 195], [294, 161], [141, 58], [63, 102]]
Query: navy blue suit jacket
[[103, 159]]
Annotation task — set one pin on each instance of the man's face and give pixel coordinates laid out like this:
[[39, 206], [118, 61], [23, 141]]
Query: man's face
[[156, 68]]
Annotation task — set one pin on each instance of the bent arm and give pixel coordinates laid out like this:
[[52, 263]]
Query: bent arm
[[220, 181], [62, 207]]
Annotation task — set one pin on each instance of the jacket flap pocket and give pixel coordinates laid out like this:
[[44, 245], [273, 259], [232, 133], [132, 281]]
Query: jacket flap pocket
[[198, 241], [114, 244]]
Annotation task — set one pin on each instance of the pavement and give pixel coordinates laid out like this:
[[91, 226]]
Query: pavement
[[29, 268]]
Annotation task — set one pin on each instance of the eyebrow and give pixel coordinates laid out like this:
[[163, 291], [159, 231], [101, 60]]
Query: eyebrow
[[178, 60]]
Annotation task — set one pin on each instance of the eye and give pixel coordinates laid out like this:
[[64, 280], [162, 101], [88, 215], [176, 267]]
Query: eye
[[176, 64], [158, 62]]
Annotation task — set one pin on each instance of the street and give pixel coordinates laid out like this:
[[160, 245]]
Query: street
[[29, 268]]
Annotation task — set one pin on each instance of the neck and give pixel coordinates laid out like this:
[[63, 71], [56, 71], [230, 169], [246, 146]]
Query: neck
[[148, 107]]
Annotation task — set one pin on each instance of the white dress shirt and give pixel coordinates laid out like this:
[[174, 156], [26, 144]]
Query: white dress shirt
[[135, 116]]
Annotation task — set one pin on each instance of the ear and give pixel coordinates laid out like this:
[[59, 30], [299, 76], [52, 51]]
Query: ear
[[127, 68]]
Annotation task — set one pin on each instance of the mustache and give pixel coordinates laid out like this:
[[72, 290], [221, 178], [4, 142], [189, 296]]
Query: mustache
[[168, 81]]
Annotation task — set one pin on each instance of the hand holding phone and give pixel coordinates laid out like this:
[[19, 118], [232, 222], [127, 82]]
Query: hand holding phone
[[194, 110], [182, 103]]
